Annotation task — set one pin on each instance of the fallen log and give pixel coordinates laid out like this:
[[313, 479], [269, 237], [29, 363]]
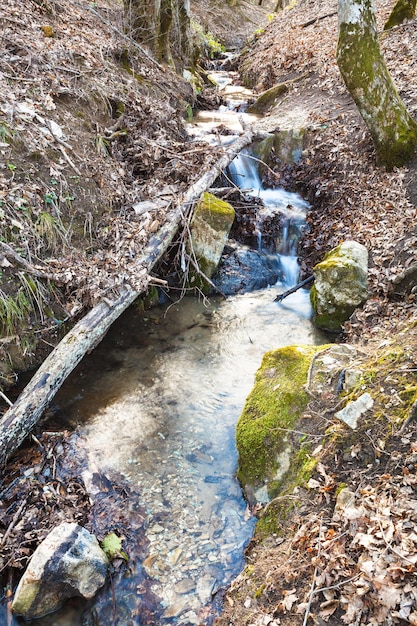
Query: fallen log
[[19, 420], [296, 287]]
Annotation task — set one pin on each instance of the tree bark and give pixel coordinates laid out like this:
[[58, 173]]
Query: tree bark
[[393, 130], [403, 10], [163, 26], [19, 420]]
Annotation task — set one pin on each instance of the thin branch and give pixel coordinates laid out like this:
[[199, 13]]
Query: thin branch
[[318, 19], [9, 252], [6, 399], [313, 583], [338, 585], [13, 523], [296, 287]]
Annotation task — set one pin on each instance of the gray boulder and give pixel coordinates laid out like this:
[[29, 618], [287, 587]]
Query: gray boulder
[[68, 563], [243, 269], [340, 286]]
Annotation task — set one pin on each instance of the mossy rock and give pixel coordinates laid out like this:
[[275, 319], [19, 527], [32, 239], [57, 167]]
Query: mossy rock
[[341, 285], [268, 460], [267, 99], [210, 227]]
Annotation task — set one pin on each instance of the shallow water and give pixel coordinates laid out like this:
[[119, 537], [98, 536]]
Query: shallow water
[[158, 402]]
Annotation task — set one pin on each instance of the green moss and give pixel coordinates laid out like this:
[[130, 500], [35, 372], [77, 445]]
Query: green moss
[[214, 211], [210, 227], [333, 321], [266, 458], [340, 285], [340, 488], [268, 98], [403, 10], [125, 62], [259, 591], [364, 71], [147, 300]]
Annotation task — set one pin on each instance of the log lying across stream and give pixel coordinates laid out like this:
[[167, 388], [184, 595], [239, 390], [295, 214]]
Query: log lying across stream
[[19, 420]]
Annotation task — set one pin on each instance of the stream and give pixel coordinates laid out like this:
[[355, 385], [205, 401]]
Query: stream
[[154, 409]]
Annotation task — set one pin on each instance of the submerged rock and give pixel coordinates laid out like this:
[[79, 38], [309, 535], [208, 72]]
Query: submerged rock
[[341, 285], [68, 563], [243, 269]]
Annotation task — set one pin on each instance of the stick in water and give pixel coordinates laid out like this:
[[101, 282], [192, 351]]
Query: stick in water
[[293, 289]]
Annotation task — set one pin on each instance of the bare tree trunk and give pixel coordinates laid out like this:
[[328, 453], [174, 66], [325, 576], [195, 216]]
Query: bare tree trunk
[[403, 10], [366, 76], [163, 26]]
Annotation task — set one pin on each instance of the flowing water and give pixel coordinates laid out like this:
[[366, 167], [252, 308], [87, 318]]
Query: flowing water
[[154, 408]]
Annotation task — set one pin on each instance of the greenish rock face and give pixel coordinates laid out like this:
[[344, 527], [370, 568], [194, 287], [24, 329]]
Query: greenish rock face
[[403, 10], [341, 285], [269, 461], [210, 227], [268, 99]]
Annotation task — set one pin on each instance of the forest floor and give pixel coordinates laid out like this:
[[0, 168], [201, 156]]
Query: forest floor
[[89, 127]]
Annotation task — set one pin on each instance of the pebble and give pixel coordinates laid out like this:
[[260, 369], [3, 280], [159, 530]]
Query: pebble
[[174, 555], [185, 586], [156, 528], [205, 587], [176, 608]]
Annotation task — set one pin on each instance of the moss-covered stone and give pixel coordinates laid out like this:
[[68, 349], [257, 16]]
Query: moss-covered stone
[[147, 300], [340, 286], [268, 457], [210, 226], [267, 99]]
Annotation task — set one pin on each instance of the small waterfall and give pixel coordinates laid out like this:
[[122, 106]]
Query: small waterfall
[[286, 206], [244, 173]]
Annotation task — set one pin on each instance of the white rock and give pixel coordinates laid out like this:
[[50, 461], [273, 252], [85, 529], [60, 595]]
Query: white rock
[[68, 563], [353, 410]]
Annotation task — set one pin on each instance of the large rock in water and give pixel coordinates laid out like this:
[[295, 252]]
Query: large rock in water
[[340, 286], [243, 269], [210, 227], [267, 457], [68, 563]]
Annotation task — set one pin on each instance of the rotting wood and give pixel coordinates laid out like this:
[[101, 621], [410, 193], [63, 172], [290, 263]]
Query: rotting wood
[[19, 420]]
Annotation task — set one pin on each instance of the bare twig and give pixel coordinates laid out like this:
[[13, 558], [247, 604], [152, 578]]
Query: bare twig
[[318, 19], [6, 399], [304, 282], [313, 583], [338, 585], [310, 369], [13, 523], [9, 252]]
